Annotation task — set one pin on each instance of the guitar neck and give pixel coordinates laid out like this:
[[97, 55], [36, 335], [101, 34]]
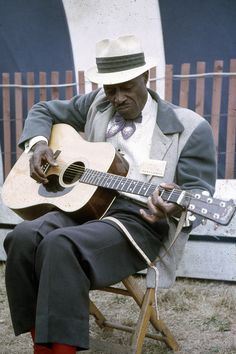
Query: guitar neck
[[198, 203], [127, 185]]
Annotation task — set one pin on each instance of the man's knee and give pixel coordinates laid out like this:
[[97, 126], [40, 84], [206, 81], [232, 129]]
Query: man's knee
[[55, 249], [54, 242], [21, 238]]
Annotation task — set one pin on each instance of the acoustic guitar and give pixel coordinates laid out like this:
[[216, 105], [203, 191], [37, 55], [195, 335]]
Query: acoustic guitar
[[87, 179]]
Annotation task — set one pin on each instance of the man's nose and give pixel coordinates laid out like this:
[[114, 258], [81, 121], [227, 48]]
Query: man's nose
[[119, 96]]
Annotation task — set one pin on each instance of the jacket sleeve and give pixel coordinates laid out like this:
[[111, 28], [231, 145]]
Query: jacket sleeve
[[196, 168], [43, 115]]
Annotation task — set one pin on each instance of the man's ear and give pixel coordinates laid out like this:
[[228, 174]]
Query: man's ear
[[146, 76]]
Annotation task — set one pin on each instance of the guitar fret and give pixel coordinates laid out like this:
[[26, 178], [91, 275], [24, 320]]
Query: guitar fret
[[145, 189], [89, 177], [114, 181], [126, 185], [170, 195], [93, 177], [98, 178], [165, 195], [138, 187], [130, 186], [85, 176], [121, 184], [162, 193], [102, 179], [118, 182], [148, 192], [107, 180]]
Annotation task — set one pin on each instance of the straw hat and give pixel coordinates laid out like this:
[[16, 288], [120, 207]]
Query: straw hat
[[119, 60]]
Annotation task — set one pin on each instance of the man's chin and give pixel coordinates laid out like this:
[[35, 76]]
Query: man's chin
[[126, 114]]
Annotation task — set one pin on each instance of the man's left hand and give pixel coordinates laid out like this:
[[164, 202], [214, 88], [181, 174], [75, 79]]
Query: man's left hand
[[158, 208]]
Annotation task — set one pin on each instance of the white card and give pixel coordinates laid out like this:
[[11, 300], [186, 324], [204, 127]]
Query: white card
[[153, 167]]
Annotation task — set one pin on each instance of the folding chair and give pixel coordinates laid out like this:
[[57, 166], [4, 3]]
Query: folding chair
[[148, 314], [146, 300]]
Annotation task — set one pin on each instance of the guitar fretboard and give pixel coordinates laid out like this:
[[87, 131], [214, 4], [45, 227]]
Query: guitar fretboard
[[124, 184], [203, 205]]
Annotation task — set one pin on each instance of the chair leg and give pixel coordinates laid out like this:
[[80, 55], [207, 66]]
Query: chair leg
[[158, 324], [143, 321], [168, 337], [99, 318]]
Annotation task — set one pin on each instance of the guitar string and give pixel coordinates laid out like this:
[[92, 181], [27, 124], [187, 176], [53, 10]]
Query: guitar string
[[79, 169], [167, 195], [107, 175], [94, 173], [76, 169]]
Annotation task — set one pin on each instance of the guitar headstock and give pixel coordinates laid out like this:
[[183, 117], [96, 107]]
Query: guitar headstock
[[214, 209]]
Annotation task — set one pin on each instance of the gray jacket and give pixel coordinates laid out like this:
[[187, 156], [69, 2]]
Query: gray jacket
[[181, 137]]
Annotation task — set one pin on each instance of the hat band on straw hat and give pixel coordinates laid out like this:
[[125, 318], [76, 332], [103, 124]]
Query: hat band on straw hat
[[120, 63]]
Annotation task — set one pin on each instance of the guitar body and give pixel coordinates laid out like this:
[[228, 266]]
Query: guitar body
[[30, 199]]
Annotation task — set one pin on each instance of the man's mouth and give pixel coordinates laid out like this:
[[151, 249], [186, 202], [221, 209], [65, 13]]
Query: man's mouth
[[123, 108]]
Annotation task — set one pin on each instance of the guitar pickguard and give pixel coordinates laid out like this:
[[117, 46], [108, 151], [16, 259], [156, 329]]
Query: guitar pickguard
[[53, 188]]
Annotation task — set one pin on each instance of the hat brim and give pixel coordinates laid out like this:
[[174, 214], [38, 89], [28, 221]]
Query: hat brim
[[120, 76]]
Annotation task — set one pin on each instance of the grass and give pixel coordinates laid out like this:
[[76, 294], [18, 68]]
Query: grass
[[201, 314]]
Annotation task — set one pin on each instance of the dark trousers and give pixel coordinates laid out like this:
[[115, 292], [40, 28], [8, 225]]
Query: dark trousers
[[52, 263]]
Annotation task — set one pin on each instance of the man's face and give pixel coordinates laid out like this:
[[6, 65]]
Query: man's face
[[128, 97]]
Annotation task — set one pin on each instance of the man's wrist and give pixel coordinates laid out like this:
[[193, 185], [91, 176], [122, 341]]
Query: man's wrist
[[41, 142], [33, 141]]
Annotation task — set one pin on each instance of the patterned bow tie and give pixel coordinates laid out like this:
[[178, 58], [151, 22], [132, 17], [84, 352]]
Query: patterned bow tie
[[126, 127]]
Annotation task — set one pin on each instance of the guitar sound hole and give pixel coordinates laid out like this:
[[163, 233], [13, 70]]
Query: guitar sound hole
[[53, 188], [53, 184], [73, 173]]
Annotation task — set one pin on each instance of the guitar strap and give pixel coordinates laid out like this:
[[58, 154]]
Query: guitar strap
[[142, 253]]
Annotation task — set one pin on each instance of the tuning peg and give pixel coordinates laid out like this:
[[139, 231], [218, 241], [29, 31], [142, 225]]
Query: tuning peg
[[191, 217]]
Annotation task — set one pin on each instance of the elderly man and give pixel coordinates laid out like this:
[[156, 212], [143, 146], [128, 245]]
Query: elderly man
[[55, 260]]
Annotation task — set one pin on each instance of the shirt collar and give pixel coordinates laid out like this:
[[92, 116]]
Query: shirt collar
[[148, 108]]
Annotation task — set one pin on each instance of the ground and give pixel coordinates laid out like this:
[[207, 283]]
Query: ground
[[201, 314]]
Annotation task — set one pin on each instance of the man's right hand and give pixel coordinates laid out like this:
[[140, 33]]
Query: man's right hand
[[42, 154]]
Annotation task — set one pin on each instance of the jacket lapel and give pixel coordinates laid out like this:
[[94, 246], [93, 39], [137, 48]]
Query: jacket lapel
[[99, 115], [160, 144], [165, 130], [100, 124]]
